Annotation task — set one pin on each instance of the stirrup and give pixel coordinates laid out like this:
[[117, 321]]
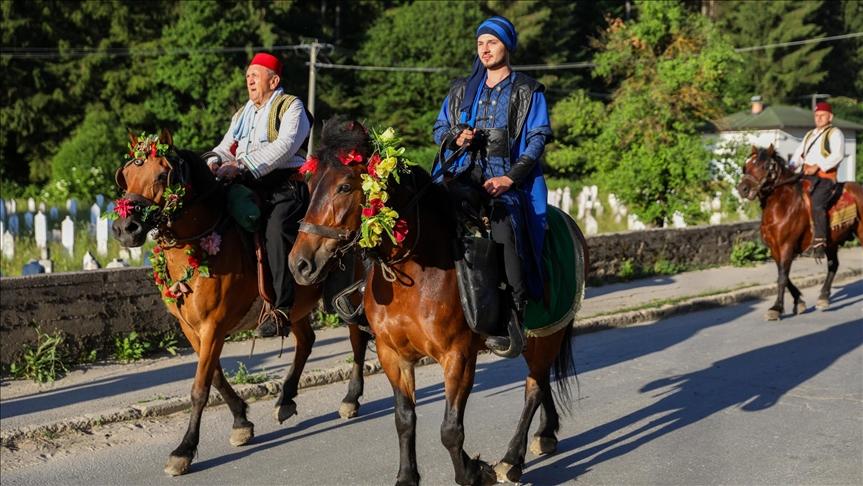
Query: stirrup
[[273, 322], [513, 345], [818, 247]]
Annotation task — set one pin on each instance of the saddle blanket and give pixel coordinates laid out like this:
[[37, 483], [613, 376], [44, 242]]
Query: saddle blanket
[[844, 212]]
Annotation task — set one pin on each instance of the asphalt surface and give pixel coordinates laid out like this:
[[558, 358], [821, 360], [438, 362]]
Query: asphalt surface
[[712, 397]]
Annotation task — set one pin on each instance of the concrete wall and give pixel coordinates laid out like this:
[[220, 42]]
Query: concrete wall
[[91, 308]]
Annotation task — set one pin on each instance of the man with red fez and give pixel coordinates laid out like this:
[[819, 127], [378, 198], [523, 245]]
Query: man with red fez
[[819, 155], [264, 146], [499, 118]]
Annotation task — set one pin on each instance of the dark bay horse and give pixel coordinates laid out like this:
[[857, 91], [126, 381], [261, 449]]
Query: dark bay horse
[[210, 308], [418, 313], [785, 226]]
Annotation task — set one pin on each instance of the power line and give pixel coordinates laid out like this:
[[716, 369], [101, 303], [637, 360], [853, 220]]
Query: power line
[[797, 43], [51, 52], [418, 69]]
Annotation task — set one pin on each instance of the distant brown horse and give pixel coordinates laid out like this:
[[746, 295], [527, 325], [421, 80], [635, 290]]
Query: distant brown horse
[[419, 314], [216, 304], [785, 226]]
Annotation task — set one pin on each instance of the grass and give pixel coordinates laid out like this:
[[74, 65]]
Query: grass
[[43, 362], [243, 377]]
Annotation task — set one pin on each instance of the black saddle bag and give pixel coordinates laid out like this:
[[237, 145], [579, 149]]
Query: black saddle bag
[[479, 281]]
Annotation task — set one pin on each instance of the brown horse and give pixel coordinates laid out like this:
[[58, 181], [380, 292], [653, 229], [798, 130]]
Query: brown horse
[[785, 226], [418, 313], [211, 308]]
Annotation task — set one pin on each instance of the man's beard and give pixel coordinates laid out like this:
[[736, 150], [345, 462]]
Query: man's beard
[[496, 65]]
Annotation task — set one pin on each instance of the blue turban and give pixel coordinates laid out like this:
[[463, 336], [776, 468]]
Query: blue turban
[[501, 28]]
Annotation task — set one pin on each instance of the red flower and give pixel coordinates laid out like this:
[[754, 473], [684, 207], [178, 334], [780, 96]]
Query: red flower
[[374, 160], [194, 262], [400, 230], [373, 208], [350, 157], [311, 166], [157, 249], [170, 295], [123, 207], [153, 150], [157, 278]]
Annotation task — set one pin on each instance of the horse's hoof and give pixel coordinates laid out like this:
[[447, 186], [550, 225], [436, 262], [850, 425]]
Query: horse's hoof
[[177, 465], [242, 435], [285, 411], [772, 315], [543, 445], [822, 304], [507, 472], [348, 410], [800, 307]]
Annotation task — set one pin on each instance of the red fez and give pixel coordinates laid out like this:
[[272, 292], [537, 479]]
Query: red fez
[[269, 61], [824, 106]]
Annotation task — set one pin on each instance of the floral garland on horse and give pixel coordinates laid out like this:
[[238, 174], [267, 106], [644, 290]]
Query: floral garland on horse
[[386, 164]]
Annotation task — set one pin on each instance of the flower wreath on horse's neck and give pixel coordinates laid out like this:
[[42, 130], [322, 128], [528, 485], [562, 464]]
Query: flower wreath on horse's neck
[[173, 198], [386, 163]]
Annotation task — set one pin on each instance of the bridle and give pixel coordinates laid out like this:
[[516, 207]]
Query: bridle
[[771, 179]]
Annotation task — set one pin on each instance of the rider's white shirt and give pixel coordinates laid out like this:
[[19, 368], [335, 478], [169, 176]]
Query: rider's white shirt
[[262, 157], [813, 149]]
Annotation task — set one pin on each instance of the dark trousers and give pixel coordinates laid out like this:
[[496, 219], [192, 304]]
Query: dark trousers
[[503, 234], [819, 194], [287, 201]]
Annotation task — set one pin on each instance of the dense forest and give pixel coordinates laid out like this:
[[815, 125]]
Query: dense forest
[[636, 82]]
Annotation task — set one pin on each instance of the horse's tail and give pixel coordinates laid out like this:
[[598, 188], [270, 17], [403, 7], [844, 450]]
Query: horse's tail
[[564, 370]]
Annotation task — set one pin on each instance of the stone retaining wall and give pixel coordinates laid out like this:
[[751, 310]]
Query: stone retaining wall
[[91, 308]]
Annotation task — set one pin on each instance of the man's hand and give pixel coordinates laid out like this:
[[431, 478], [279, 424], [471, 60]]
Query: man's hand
[[810, 169], [464, 137], [497, 185], [228, 171]]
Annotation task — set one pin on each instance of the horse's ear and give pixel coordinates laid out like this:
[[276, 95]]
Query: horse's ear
[[754, 150], [133, 139], [166, 138], [770, 150]]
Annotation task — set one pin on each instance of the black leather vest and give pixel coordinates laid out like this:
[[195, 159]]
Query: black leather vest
[[523, 88]]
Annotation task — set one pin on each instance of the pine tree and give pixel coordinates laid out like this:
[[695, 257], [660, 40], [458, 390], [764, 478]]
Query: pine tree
[[781, 74]]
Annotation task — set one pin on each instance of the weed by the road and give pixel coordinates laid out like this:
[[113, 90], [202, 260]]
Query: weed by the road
[[321, 319], [748, 253], [242, 376], [241, 336], [130, 348], [168, 342], [44, 362]]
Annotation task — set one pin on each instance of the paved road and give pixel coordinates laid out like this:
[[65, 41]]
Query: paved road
[[714, 397]]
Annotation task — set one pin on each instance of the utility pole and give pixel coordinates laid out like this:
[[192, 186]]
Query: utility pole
[[313, 59]]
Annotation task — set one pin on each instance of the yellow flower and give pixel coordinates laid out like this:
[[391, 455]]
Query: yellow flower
[[389, 135], [385, 167]]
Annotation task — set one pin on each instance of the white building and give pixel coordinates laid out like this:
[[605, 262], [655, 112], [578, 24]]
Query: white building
[[785, 126]]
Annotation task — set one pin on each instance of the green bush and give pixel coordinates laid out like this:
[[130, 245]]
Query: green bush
[[130, 348], [44, 362], [748, 253], [85, 163], [243, 377], [628, 269], [665, 267]]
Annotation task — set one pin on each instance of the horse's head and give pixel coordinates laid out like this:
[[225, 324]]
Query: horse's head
[[761, 171], [332, 223], [144, 180]]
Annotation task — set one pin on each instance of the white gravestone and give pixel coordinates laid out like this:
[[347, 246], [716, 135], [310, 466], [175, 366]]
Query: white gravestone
[[716, 218], [89, 262], [95, 212], [102, 237], [677, 220], [591, 227], [67, 237], [13, 207], [135, 253], [31, 205], [40, 232], [7, 242], [41, 206], [117, 263], [566, 202]]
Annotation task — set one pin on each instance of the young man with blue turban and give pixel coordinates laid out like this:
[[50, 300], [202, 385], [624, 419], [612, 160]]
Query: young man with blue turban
[[498, 120]]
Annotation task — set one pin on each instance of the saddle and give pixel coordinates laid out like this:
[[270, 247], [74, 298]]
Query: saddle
[[841, 210]]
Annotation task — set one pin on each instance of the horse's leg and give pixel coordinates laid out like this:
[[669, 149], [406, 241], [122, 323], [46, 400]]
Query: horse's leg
[[783, 268], [242, 430], [351, 402], [459, 368], [305, 337], [210, 348], [540, 354], [545, 439], [832, 265], [401, 375]]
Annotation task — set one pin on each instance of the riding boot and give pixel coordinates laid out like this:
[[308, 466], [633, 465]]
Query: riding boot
[[275, 322], [818, 246], [512, 345]]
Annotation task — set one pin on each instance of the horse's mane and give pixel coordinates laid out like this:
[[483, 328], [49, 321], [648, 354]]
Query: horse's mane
[[340, 136], [764, 154], [201, 178]]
